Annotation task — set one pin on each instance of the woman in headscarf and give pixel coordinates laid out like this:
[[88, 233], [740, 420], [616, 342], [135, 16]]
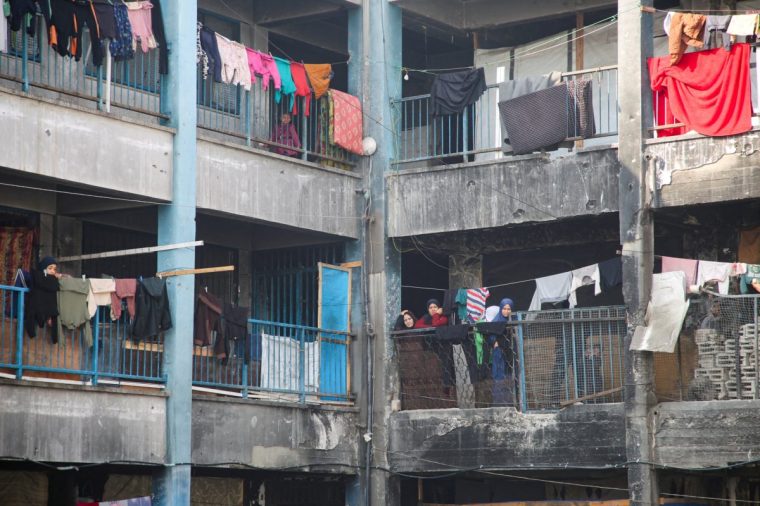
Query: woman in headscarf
[[405, 321], [502, 358], [434, 316]]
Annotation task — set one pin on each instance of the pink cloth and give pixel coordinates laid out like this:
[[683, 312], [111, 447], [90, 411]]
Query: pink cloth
[[685, 265], [347, 122], [263, 65], [142, 25], [125, 289]]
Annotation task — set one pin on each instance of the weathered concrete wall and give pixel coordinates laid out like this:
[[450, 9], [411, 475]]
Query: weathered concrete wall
[[63, 424], [272, 435], [700, 170], [510, 191], [80, 146], [276, 189], [442, 440], [706, 434]]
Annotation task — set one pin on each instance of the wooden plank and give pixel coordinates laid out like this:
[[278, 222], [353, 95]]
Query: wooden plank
[[204, 270], [591, 396], [132, 251], [351, 265]]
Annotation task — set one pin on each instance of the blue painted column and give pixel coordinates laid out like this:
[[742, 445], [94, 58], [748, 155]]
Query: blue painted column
[[176, 223], [374, 73]]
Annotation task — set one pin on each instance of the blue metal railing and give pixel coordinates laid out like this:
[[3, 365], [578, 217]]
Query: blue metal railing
[[477, 130], [552, 358], [279, 361], [253, 117], [113, 355], [135, 84]]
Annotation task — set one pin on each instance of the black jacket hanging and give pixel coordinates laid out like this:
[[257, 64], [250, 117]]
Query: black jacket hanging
[[452, 92], [42, 304], [234, 328], [152, 315]]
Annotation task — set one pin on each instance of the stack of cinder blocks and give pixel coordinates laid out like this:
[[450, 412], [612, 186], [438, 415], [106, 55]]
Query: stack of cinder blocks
[[718, 360]]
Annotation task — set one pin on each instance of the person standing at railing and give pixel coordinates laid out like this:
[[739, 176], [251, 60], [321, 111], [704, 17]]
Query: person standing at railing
[[405, 321], [502, 358], [43, 301], [434, 316], [285, 134]]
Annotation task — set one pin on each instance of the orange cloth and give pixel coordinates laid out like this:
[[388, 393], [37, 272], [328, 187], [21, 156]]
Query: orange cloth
[[686, 29], [319, 77]]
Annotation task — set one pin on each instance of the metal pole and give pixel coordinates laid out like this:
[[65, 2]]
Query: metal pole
[[304, 132], [24, 60], [95, 347], [521, 351], [20, 335], [108, 77]]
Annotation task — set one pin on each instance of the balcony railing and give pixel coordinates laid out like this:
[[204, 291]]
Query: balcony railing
[[113, 356], [476, 133], [254, 116], [278, 361], [31, 62], [546, 360]]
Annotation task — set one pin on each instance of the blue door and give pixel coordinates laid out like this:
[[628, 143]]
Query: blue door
[[334, 315]]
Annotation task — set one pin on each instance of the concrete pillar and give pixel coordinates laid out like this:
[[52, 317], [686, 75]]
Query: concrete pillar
[[465, 271], [176, 223], [637, 238], [374, 32]]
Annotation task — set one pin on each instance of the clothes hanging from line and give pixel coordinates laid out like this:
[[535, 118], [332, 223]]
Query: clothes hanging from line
[[104, 13], [99, 294], [320, 75], [709, 91], [449, 303], [714, 271], [208, 312], [3, 34], [451, 93], [263, 65], [298, 72], [743, 25], [211, 48], [18, 10], [537, 120], [555, 288], [715, 32], [142, 25], [580, 114], [684, 29], [749, 282], [125, 289], [287, 86], [121, 45], [685, 265], [347, 121], [611, 273], [588, 275], [476, 303], [68, 20], [201, 58], [72, 307], [235, 70], [159, 34], [43, 304], [233, 329], [152, 314], [664, 315]]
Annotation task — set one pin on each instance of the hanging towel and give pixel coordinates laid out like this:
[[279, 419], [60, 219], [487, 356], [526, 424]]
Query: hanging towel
[[611, 273], [347, 122], [298, 73], [537, 120], [287, 86], [717, 24], [714, 271], [319, 77], [142, 25], [263, 65], [476, 303], [452, 92], [742, 25], [104, 13], [585, 276], [125, 289], [210, 46], [750, 278], [709, 91], [665, 314], [121, 45], [72, 307], [685, 265], [100, 294], [555, 288], [235, 69], [685, 29], [519, 87]]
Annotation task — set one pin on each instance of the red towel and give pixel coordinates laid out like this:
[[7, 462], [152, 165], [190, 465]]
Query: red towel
[[302, 87], [347, 126], [709, 91]]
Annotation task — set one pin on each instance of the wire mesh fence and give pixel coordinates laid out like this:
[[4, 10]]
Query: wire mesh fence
[[538, 361], [716, 357]]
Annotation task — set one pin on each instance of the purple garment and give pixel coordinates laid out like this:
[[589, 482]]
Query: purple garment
[[286, 135]]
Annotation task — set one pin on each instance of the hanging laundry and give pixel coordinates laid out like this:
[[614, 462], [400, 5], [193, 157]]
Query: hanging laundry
[[347, 121], [298, 72], [537, 120], [287, 86], [104, 14], [709, 91], [743, 25], [201, 58], [611, 273], [685, 265], [664, 116], [320, 75], [684, 29], [159, 33], [43, 301], [715, 32], [208, 312], [714, 271], [580, 113], [555, 288], [125, 289], [235, 68], [233, 332], [121, 45], [17, 245], [517, 88], [263, 65], [476, 303], [749, 283], [665, 314], [588, 275], [452, 92], [3, 34], [449, 302], [17, 12], [99, 294], [72, 307], [68, 20], [209, 45], [142, 25], [152, 314]]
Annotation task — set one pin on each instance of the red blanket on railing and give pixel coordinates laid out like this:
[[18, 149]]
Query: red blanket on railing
[[347, 121], [708, 91]]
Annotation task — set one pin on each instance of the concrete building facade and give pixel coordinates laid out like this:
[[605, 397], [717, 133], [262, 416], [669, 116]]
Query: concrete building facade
[[299, 412]]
